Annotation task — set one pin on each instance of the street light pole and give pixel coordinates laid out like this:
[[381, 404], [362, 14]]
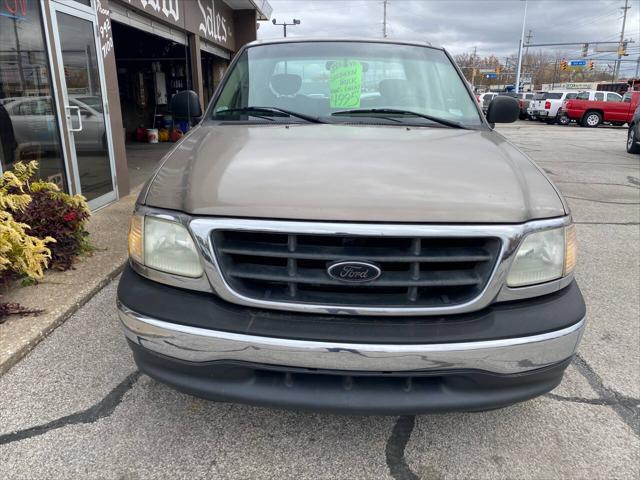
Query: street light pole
[[284, 25], [524, 23]]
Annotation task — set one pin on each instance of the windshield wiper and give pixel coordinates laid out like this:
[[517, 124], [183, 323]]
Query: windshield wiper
[[271, 110], [387, 111]]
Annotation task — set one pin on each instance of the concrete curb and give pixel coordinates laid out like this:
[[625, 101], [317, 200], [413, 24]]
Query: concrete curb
[[32, 341], [61, 294]]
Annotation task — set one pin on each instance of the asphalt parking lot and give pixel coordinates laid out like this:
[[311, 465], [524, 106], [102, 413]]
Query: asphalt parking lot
[[77, 408]]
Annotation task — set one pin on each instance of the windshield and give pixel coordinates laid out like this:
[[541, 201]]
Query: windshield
[[321, 78]]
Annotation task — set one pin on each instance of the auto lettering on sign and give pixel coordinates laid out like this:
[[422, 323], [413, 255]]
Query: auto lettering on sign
[[167, 7]]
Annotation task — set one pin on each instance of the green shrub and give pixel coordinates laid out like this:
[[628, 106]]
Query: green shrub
[[55, 214], [20, 253], [41, 227]]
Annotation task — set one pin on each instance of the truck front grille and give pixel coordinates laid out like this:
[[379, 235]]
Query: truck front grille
[[416, 271]]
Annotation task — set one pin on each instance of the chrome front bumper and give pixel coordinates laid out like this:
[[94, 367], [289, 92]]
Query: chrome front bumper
[[198, 345]]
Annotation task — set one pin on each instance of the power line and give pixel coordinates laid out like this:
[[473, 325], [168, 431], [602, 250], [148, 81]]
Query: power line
[[589, 21]]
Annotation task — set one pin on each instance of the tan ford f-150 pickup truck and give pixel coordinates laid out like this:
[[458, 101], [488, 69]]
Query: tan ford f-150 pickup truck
[[343, 230]]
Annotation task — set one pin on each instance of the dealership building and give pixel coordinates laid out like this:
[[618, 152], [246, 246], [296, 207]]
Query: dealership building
[[81, 79]]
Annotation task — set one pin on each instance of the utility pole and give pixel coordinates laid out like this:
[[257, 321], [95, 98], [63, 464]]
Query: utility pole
[[624, 22], [384, 20], [524, 23], [527, 62], [284, 24], [526, 50], [473, 68]]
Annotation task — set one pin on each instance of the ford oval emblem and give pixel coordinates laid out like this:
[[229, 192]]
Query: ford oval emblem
[[354, 272]]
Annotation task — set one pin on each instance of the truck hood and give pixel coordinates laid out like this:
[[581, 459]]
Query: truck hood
[[352, 173]]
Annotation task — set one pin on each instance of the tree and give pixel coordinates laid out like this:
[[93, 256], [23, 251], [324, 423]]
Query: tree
[[541, 66]]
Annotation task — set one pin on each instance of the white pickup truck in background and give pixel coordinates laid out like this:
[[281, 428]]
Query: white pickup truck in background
[[546, 106]]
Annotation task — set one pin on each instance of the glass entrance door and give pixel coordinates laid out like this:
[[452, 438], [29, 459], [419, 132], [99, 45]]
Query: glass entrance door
[[84, 104]]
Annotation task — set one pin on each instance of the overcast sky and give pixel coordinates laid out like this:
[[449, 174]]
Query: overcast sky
[[492, 26]]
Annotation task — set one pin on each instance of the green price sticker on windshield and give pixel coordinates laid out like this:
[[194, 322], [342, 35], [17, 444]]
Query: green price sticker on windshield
[[345, 84]]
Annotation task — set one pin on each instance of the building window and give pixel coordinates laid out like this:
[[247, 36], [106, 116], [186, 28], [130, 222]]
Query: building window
[[28, 124]]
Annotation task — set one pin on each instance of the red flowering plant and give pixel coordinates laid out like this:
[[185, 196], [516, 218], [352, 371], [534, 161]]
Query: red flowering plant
[[58, 215]]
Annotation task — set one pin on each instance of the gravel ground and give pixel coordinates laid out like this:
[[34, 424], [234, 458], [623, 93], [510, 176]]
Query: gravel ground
[[77, 408]]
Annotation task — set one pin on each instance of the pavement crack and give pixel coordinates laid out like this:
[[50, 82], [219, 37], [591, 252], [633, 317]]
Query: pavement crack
[[556, 162], [628, 401], [610, 184], [602, 201], [607, 223], [627, 408], [102, 409], [396, 445]]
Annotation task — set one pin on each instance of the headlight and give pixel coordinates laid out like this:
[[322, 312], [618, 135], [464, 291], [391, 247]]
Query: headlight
[[544, 256], [163, 245]]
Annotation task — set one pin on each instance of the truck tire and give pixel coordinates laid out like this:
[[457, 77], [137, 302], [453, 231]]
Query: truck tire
[[632, 146], [564, 120], [592, 119]]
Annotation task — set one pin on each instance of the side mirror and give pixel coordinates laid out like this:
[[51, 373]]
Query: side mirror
[[503, 109], [186, 104]]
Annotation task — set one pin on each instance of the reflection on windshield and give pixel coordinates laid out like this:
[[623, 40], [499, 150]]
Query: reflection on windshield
[[320, 78]]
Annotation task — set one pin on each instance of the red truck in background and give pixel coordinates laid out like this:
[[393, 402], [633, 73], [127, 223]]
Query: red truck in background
[[591, 113]]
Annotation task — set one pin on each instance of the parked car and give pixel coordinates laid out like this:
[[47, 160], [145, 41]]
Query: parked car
[[530, 110], [633, 134], [484, 100], [563, 119], [591, 113], [545, 106], [32, 118], [390, 256], [524, 100]]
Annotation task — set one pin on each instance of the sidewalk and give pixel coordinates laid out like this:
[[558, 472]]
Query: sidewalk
[[60, 294]]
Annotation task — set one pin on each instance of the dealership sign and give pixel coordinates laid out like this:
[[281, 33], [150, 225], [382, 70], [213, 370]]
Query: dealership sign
[[579, 85], [210, 19]]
